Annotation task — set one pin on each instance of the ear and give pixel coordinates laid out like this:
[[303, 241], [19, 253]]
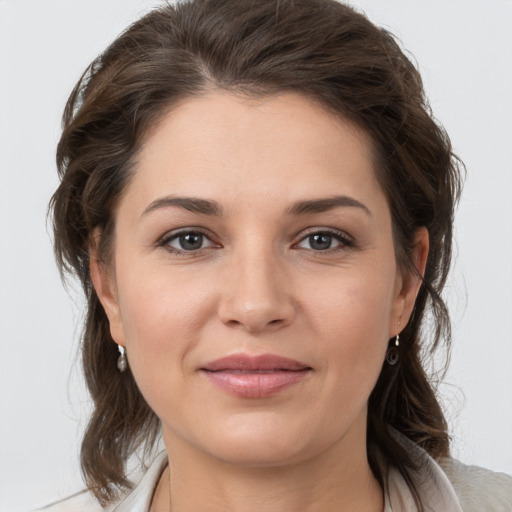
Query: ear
[[408, 283], [103, 280]]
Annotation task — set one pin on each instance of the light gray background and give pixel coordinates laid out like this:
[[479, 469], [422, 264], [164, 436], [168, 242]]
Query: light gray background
[[464, 51]]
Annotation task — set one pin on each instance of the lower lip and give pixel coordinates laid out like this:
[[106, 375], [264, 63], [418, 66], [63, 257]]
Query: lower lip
[[256, 384]]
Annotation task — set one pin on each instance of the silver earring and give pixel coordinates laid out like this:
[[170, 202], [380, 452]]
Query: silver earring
[[393, 353], [122, 362]]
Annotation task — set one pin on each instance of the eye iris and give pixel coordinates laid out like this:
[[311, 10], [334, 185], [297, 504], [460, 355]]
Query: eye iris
[[191, 241], [320, 242]]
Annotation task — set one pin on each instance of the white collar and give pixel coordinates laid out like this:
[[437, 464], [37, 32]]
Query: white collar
[[434, 489], [139, 499]]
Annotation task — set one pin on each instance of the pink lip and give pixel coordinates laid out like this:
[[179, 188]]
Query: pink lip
[[248, 376]]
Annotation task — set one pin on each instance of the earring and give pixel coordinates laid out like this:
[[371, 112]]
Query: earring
[[122, 362], [393, 353]]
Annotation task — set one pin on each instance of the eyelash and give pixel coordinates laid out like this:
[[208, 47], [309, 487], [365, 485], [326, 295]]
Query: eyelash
[[345, 241], [169, 237]]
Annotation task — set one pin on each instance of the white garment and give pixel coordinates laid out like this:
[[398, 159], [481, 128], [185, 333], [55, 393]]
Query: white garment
[[446, 487]]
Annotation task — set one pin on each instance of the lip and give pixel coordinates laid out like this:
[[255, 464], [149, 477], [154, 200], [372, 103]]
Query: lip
[[260, 376]]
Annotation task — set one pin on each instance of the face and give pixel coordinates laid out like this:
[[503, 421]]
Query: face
[[254, 281]]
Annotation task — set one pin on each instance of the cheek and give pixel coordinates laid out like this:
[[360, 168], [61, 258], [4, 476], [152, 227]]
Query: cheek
[[162, 317], [352, 322], [157, 303], [355, 305]]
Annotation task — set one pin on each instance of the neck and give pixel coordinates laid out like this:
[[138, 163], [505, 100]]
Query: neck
[[334, 481]]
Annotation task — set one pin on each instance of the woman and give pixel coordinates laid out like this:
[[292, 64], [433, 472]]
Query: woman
[[259, 207]]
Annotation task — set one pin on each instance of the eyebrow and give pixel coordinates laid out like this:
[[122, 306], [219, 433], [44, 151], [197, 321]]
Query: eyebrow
[[192, 204], [208, 207], [329, 203]]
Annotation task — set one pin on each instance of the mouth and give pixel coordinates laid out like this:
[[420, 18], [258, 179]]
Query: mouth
[[262, 376]]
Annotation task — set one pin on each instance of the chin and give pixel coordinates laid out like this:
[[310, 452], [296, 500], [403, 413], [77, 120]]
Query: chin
[[258, 454], [262, 444]]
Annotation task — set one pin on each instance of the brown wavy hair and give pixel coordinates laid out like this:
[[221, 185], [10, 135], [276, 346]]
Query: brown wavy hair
[[324, 50]]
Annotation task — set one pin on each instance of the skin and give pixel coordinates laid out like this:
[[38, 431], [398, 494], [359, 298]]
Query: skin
[[258, 284]]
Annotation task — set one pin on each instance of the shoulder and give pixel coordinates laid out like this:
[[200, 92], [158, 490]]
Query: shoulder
[[450, 485], [477, 488], [81, 502], [138, 499]]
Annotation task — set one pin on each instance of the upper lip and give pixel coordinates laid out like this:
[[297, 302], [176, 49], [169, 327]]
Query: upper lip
[[246, 362]]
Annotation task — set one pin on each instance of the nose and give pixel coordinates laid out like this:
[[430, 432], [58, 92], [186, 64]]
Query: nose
[[256, 294]]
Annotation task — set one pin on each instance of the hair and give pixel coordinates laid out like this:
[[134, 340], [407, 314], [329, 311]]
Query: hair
[[323, 50]]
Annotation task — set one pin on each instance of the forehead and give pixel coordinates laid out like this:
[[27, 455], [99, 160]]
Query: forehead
[[286, 145]]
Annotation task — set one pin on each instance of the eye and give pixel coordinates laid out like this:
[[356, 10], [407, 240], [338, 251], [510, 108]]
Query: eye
[[325, 240], [186, 241]]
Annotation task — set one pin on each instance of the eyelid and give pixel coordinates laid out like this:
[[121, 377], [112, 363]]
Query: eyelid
[[346, 241], [169, 236]]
